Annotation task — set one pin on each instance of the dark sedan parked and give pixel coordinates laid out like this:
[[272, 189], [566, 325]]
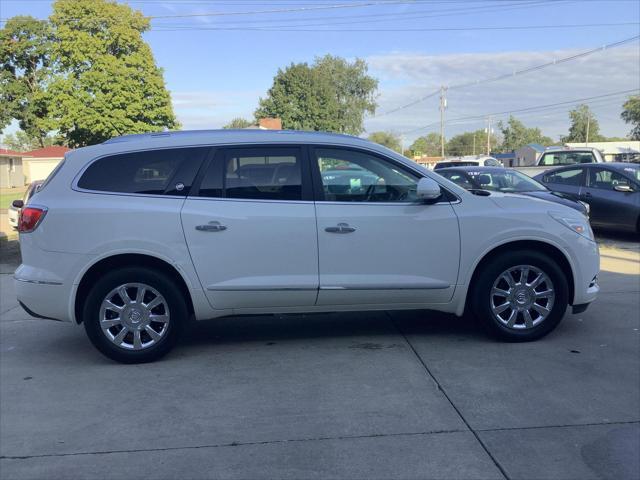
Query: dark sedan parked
[[611, 189], [506, 180]]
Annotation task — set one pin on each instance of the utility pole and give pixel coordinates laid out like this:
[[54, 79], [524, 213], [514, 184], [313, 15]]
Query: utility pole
[[443, 106], [586, 141], [402, 144], [488, 135], [474, 143]]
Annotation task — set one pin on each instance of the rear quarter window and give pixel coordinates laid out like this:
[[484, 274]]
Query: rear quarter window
[[154, 172]]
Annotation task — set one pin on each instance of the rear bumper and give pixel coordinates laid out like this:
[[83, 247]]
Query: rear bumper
[[42, 300]]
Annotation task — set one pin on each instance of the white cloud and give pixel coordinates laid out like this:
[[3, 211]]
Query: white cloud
[[407, 76], [199, 109]]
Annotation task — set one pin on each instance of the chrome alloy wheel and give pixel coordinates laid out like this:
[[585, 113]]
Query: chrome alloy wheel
[[134, 316], [522, 297]]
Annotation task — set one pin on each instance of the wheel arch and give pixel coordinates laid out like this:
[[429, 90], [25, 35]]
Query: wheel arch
[[127, 260], [552, 251]]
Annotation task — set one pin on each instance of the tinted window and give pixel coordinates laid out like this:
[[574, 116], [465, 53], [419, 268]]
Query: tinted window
[[147, 172], [606, 179], [459, 179], [350, 176], [565, 177], [257, 174], [566, 158]]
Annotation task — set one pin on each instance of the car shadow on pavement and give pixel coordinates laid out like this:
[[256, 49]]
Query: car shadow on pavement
[[270, 329]]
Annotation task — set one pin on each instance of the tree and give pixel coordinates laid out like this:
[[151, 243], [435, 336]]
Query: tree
[[109, 83], [516, 135], [237, 123], [463, 144], [583, 121], [428, 145], [22, 142], [387, 139], [631, 114], [25, 60], [330, 95]]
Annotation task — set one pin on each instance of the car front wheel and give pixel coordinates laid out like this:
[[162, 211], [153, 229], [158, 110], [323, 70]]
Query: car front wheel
[[520, 296], [134, 315]]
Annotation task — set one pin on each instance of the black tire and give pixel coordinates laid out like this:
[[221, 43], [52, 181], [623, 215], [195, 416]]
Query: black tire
[[159, 281], [482, 289]]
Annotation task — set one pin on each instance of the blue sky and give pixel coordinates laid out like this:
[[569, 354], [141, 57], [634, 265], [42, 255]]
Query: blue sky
[[215, 75]]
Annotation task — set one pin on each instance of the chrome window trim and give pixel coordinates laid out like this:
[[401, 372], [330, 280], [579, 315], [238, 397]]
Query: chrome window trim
[[365, 148]]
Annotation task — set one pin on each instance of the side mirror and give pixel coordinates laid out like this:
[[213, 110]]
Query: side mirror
[[623, 188], [17, 203], [428, 189]]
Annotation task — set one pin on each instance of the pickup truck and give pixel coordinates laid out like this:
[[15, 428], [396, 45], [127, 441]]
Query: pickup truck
[[557, 157]]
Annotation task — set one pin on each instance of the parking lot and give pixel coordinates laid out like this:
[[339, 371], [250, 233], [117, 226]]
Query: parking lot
[[364, 395]]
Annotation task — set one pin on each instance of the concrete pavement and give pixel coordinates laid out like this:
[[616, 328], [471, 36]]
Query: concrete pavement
[[362, 395]]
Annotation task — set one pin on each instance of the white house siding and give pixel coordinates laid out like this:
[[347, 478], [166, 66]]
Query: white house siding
[[39, 168], [11, 174]]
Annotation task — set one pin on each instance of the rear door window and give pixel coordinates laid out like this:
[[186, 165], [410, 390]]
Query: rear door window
[[572, 176], [255, 173], [157, 172]]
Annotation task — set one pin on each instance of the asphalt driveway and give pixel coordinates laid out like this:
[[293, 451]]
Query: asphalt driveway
[[363, 395]]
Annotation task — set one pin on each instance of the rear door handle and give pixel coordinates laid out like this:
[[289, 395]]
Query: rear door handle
[[213, 226], [340, 228]]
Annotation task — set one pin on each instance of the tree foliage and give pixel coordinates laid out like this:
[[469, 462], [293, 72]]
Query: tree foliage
[[583, 119], [463, 144], [332, 94], [427, 145], [631, 114], [23, 142], [238, 122], [108, 81], [387, 139], [25, 60], [515, 135]]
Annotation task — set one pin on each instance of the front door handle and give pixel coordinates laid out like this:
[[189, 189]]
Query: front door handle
[[340, 228], [211, 227]]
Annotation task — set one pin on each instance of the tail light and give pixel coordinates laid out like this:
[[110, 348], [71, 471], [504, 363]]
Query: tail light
[[30, 218]]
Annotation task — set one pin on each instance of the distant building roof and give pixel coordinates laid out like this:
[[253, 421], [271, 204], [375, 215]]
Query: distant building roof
[[54, 151], [5, 152], [536, 146]]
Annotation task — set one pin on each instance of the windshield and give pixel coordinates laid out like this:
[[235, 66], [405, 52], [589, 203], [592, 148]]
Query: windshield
[[506, 181]]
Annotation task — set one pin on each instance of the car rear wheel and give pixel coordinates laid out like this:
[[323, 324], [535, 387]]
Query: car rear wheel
[[134, 315], [520, 296]]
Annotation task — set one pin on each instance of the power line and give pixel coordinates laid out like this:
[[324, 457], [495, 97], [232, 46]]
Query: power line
[[512, 74], [428, 29], [257, 12], [414, 15], [527, 109]]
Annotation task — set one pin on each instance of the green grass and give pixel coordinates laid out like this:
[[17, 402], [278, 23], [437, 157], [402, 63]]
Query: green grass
[[7, 198]]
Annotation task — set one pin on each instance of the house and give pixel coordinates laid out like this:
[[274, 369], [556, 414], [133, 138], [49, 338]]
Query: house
[[612, 151], [268, 124], [38, 164], [528, 155], [11, 168], [507, 159]]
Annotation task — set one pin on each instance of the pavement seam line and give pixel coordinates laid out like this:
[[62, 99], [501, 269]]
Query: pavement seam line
[[464, 420], [232, 444], [595, 424]]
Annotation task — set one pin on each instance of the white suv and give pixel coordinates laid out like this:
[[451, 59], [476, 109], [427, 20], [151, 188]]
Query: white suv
[[136, 235]]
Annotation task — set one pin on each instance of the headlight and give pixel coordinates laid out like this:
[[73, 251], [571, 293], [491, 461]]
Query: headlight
[[578, 225]]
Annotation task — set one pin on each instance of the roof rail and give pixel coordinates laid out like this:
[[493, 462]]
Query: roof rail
[[179, 133]]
